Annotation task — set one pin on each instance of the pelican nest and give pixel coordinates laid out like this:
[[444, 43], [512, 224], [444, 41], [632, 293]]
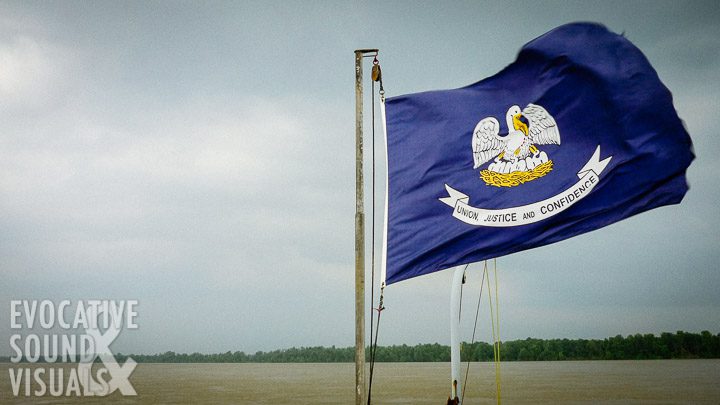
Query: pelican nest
[[513, 179]]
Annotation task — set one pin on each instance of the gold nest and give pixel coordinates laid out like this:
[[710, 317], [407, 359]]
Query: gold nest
[[515, 178]]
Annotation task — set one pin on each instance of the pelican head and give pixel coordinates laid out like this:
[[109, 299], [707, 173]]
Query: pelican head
[[512, 112]]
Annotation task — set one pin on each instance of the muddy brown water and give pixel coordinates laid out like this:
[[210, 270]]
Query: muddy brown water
[[569, 382]]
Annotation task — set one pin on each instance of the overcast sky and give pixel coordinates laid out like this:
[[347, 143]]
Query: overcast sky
[[199, 157]]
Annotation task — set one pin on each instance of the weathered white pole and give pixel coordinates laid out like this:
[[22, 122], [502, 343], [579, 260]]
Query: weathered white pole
[[359, 238], [457, 281], [359, 234]]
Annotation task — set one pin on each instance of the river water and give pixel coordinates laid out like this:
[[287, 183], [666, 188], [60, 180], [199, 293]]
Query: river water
[[566, 382]]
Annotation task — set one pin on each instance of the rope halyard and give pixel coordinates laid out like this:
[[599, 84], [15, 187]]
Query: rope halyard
[[372, 216], [495, 331], [472, 341], [497, 315], [376, 76], [495, 321], [373, 348]]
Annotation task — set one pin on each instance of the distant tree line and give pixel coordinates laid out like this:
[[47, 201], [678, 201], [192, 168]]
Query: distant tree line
[[679, 345]]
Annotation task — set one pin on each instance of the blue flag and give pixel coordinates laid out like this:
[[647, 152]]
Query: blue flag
[[576, 134]]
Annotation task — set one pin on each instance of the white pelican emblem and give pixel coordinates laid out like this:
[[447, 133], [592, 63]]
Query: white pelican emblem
[[517, 160]]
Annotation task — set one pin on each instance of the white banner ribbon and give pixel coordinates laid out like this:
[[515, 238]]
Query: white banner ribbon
[[589, 176]]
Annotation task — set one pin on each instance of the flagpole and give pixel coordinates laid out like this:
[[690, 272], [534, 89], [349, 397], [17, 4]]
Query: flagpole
[[359, 234], [455, 297]]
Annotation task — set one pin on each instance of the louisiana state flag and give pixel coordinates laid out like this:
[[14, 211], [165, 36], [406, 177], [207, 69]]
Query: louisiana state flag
[[576, 134]]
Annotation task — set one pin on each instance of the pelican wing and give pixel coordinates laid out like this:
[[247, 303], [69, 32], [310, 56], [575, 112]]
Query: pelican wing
[[485, 141], [543, 129]]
